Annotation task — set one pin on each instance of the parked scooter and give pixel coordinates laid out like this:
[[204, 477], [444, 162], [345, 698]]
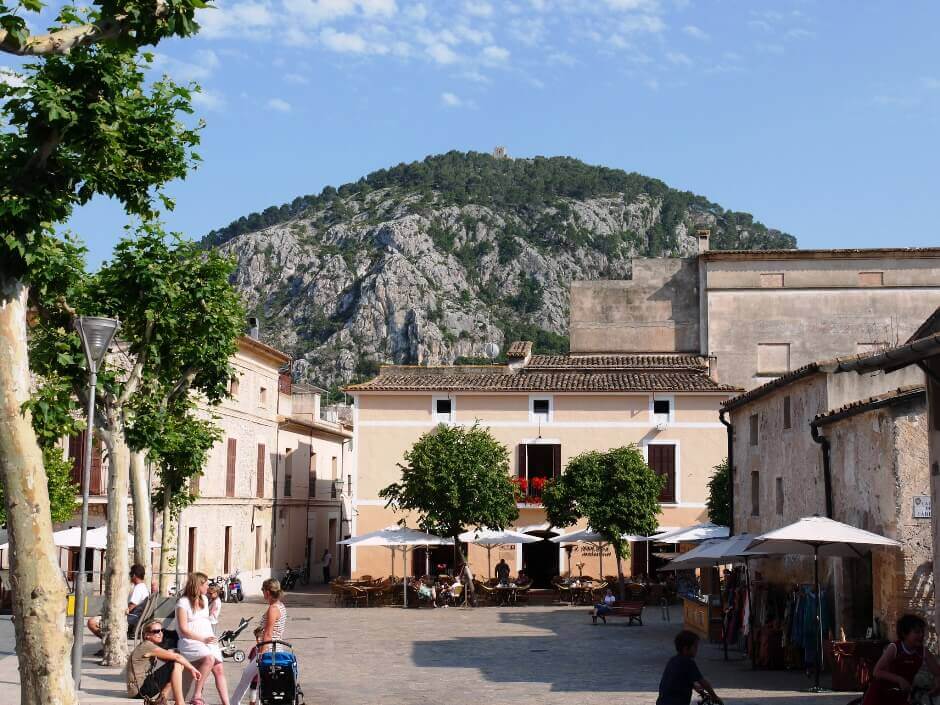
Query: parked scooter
[[234, 583], [222, 584], [289, 581]]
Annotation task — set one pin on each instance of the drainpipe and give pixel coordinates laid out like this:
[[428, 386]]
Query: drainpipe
[[827, 469], [730, 429]]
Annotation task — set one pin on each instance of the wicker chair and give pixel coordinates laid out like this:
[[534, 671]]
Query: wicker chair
[[354, 596]]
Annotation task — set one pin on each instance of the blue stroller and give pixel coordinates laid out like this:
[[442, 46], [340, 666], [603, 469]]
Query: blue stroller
[[278, 678]]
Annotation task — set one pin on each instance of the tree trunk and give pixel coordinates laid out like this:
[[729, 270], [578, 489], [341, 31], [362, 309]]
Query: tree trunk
[[143, 520], [166, 540], [116, 580], [42, 640], [620, 580]]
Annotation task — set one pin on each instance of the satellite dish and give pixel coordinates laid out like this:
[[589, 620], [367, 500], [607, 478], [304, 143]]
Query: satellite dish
[[491, 350]]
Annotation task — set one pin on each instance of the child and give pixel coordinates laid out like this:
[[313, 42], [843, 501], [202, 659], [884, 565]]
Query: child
[[253, 688], [682, 674], [894, 673], [215, 604]]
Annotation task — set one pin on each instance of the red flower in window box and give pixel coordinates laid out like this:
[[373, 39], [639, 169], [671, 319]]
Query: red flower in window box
[[538, 484]]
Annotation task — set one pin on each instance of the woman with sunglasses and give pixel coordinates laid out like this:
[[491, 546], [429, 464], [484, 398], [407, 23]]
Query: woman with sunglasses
[[153, 673], [197, 639]]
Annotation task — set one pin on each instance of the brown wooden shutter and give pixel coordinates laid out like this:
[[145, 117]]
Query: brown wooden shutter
[[95, 485], [77, 456], [260, 489], [556, 460], [284, 383], [230, 469], [523, 454], [662, 461]]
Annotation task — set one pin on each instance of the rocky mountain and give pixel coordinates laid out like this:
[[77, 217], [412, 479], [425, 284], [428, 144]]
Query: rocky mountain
[[426, 262]]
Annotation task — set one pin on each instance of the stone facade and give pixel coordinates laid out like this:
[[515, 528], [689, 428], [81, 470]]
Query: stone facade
[[760, 314], [878, 465]]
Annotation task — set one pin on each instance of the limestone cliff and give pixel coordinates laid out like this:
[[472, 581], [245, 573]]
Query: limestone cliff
[[427, 262]]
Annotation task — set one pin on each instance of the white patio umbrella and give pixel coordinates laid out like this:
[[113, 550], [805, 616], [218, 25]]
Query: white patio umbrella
[[694, 534], [491, 538], [818, 536], [399, 537], [590, 536]]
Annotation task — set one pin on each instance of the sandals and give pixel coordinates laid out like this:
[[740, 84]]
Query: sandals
[[198, 701]]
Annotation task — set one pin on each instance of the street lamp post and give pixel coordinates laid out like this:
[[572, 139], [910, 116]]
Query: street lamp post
[[96, 335]]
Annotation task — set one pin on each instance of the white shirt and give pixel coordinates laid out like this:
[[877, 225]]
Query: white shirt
[[139, 593], [327, 559]]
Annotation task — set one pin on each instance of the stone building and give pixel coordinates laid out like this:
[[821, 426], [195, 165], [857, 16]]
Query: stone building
[[759, 313], [546, 409], [272, 492], [823, 440]]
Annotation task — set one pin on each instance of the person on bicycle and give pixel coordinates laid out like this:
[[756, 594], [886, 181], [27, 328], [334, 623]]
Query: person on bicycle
[[902, 659], [682, 676]]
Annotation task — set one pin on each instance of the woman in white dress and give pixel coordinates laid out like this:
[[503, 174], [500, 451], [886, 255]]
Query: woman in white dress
[[197, 641]]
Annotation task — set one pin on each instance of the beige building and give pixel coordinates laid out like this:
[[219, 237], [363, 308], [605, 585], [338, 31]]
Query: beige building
[[545, 409], [824, 440], [271, 495], [759, 314]]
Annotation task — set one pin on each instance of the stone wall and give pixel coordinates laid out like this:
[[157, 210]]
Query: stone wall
[[655, 311], [879, 464]]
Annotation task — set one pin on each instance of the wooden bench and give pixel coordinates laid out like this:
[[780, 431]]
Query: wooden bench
[[631, 609]]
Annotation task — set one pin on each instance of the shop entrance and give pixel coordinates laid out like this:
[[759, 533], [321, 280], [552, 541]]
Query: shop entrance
[[540, 560]]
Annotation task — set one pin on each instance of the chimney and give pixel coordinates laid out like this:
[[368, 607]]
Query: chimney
[[254, 328], [704, 235]]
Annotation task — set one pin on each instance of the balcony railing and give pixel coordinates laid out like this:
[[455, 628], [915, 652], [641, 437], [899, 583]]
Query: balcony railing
[[529, 491]]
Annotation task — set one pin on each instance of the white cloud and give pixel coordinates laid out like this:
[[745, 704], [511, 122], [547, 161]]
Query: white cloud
[[495, 54], [449, 100], [631, 5], [294, 36], [652, 84], [442, 53], [930, 83], [280, 105], [695, 32], [11, 78], [314, 12], [347, 43], [417, 13], [373, 8], [651, 24], [799, 33], [296, 78], [678, 58], [759, 24], [240, 19], [204, 64], [208, 100], [478, 8]]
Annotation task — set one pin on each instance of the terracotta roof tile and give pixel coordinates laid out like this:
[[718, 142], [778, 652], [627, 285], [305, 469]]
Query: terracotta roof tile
[[534, 381], [638, 361], [895, 396]]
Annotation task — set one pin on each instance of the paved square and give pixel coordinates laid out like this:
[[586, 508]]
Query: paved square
[[486, 656]]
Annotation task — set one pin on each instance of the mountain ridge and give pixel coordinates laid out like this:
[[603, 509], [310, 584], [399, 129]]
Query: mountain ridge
[[426, 262]]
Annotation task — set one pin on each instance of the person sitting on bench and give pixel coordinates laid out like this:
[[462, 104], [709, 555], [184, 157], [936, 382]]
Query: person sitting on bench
[[153, 672], [136, 603], [603, 609]]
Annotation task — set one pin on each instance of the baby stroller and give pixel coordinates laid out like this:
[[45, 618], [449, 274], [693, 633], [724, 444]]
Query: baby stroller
[[227, 641], [278, 680]]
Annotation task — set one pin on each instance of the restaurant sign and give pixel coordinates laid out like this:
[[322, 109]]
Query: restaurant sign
[[922, 507]]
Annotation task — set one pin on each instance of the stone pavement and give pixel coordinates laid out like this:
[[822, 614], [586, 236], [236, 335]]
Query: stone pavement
[[539, 655]]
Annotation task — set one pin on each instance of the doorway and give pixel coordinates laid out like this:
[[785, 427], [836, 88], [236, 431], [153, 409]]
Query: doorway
[[540, 560]]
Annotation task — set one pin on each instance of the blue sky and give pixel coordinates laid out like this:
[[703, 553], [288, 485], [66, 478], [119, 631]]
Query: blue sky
[[820, 118]]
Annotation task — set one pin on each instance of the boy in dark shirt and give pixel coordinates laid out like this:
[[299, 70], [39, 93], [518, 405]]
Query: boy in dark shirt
[[682, 675]]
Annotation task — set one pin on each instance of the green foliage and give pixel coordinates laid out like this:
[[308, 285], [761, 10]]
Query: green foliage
[[530, 296], [719, 499], [455, 478], [62, 490], [523, 187], [178, 441], [544, 342], [615, 491], [85, 124]]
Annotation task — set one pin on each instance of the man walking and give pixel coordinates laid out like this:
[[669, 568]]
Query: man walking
[[327, 560]]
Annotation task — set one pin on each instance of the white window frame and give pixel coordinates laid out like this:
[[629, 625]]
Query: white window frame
[[439, 418], [646, 459], [655, 418], [533, 419]]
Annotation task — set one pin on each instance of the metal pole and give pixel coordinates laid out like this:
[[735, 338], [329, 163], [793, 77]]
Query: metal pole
[[179, 549], [819, 629], [78, 621], [724, 617]]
